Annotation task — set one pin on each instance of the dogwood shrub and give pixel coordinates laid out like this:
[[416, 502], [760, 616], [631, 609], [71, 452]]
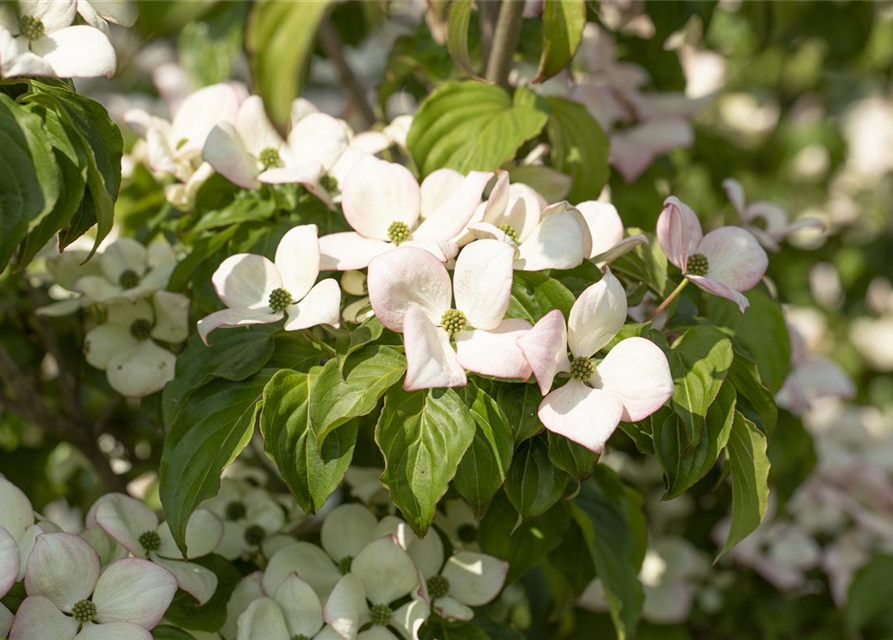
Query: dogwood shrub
[[279, 366]]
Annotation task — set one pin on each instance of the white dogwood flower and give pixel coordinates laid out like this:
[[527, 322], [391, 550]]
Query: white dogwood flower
[[130, 271], [135, 527], [251, 518], [69, 599], [41, 41], [258, 291], [98, 13], [126, 345], [606, 230]]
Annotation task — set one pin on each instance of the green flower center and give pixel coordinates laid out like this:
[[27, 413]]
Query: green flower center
[[582, 369], [453, 321], [254, 535], [270, 158], [467, 533], [181, 143], [31, 27], [345, 564], [141, 329], [381, 615], [438, 587], [328, 182], [510, 231], [128, 279], [398, 232], [84, 611], [150, 541], [280, 300], [235, 511], [697, 264]]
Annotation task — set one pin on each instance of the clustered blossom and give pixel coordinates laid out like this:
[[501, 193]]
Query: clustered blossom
[[367, 578]]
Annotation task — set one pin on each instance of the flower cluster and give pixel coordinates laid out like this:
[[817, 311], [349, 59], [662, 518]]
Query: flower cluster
[[366, 578]]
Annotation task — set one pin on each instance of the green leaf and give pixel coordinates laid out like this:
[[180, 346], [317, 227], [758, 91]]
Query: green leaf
[[294, 350], [29, 177], [700, 360], [646, 264], [523, 546], [572, 458], [563, 22], [615, 541], [483, 468], [682, 467], [251, 207], [214, 424], [520, 403], [184, 610], [761, 332], [235, 354], [423, 437], [280, 39], [472, 126], [868, 598], [750, 480], [579, 148], [201, 250], [340, 395], [746, 378], [457, 36], [290, 438], [167, 632], [534, 484], [792, 455], [369, 331], [535, 294]]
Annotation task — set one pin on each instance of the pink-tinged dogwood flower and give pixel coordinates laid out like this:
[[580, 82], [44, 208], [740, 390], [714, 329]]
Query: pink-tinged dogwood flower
[[606, 230], [387, 208], [257, 291], [411, 293], [546, 237], [724, 262], [99, 13], [40, 41], [68, 598], [252, 152], [766, 221], [631, 383], [135, 527]]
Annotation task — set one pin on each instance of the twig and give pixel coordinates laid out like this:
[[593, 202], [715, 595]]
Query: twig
[[488, 14], [331, 44], [505, 41]]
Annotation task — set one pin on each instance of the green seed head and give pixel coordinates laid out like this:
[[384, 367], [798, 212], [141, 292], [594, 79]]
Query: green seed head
[[582, 369], [235, 511], [254, 535], [399, 232], [280, 300], [438, 587], [697, 264], [381, 615], [150, 541], [129, 279], [31, 27], [328, 182], [453, 321], [270, 158], [467, 533], [141, 329], [510, 231], [84, 611], [344, 565]]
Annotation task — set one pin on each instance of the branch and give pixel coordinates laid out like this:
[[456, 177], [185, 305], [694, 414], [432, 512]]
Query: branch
[[331, 44], [505, 41]]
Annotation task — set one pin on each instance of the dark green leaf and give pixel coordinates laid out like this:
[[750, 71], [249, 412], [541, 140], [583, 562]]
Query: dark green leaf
[[572, 458], [185, 612], [869, 594], [534, 484], [579, 148], [167, 632], [535, 294], [423, 437], [746, 378], [520, 403], [563, 22]]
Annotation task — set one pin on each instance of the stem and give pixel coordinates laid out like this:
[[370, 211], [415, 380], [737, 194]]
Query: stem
[[505, 41], [670, 298], [488, 14], [331, 44]]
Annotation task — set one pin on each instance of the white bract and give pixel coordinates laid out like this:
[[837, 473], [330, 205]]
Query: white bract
[[99, 13], [249, 151], [411, 293], [386, 207], [41, 41], [130, 271], [126, 345], [68, 597], [631, 383], [258, 291], [606, 229], [135, 527]]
